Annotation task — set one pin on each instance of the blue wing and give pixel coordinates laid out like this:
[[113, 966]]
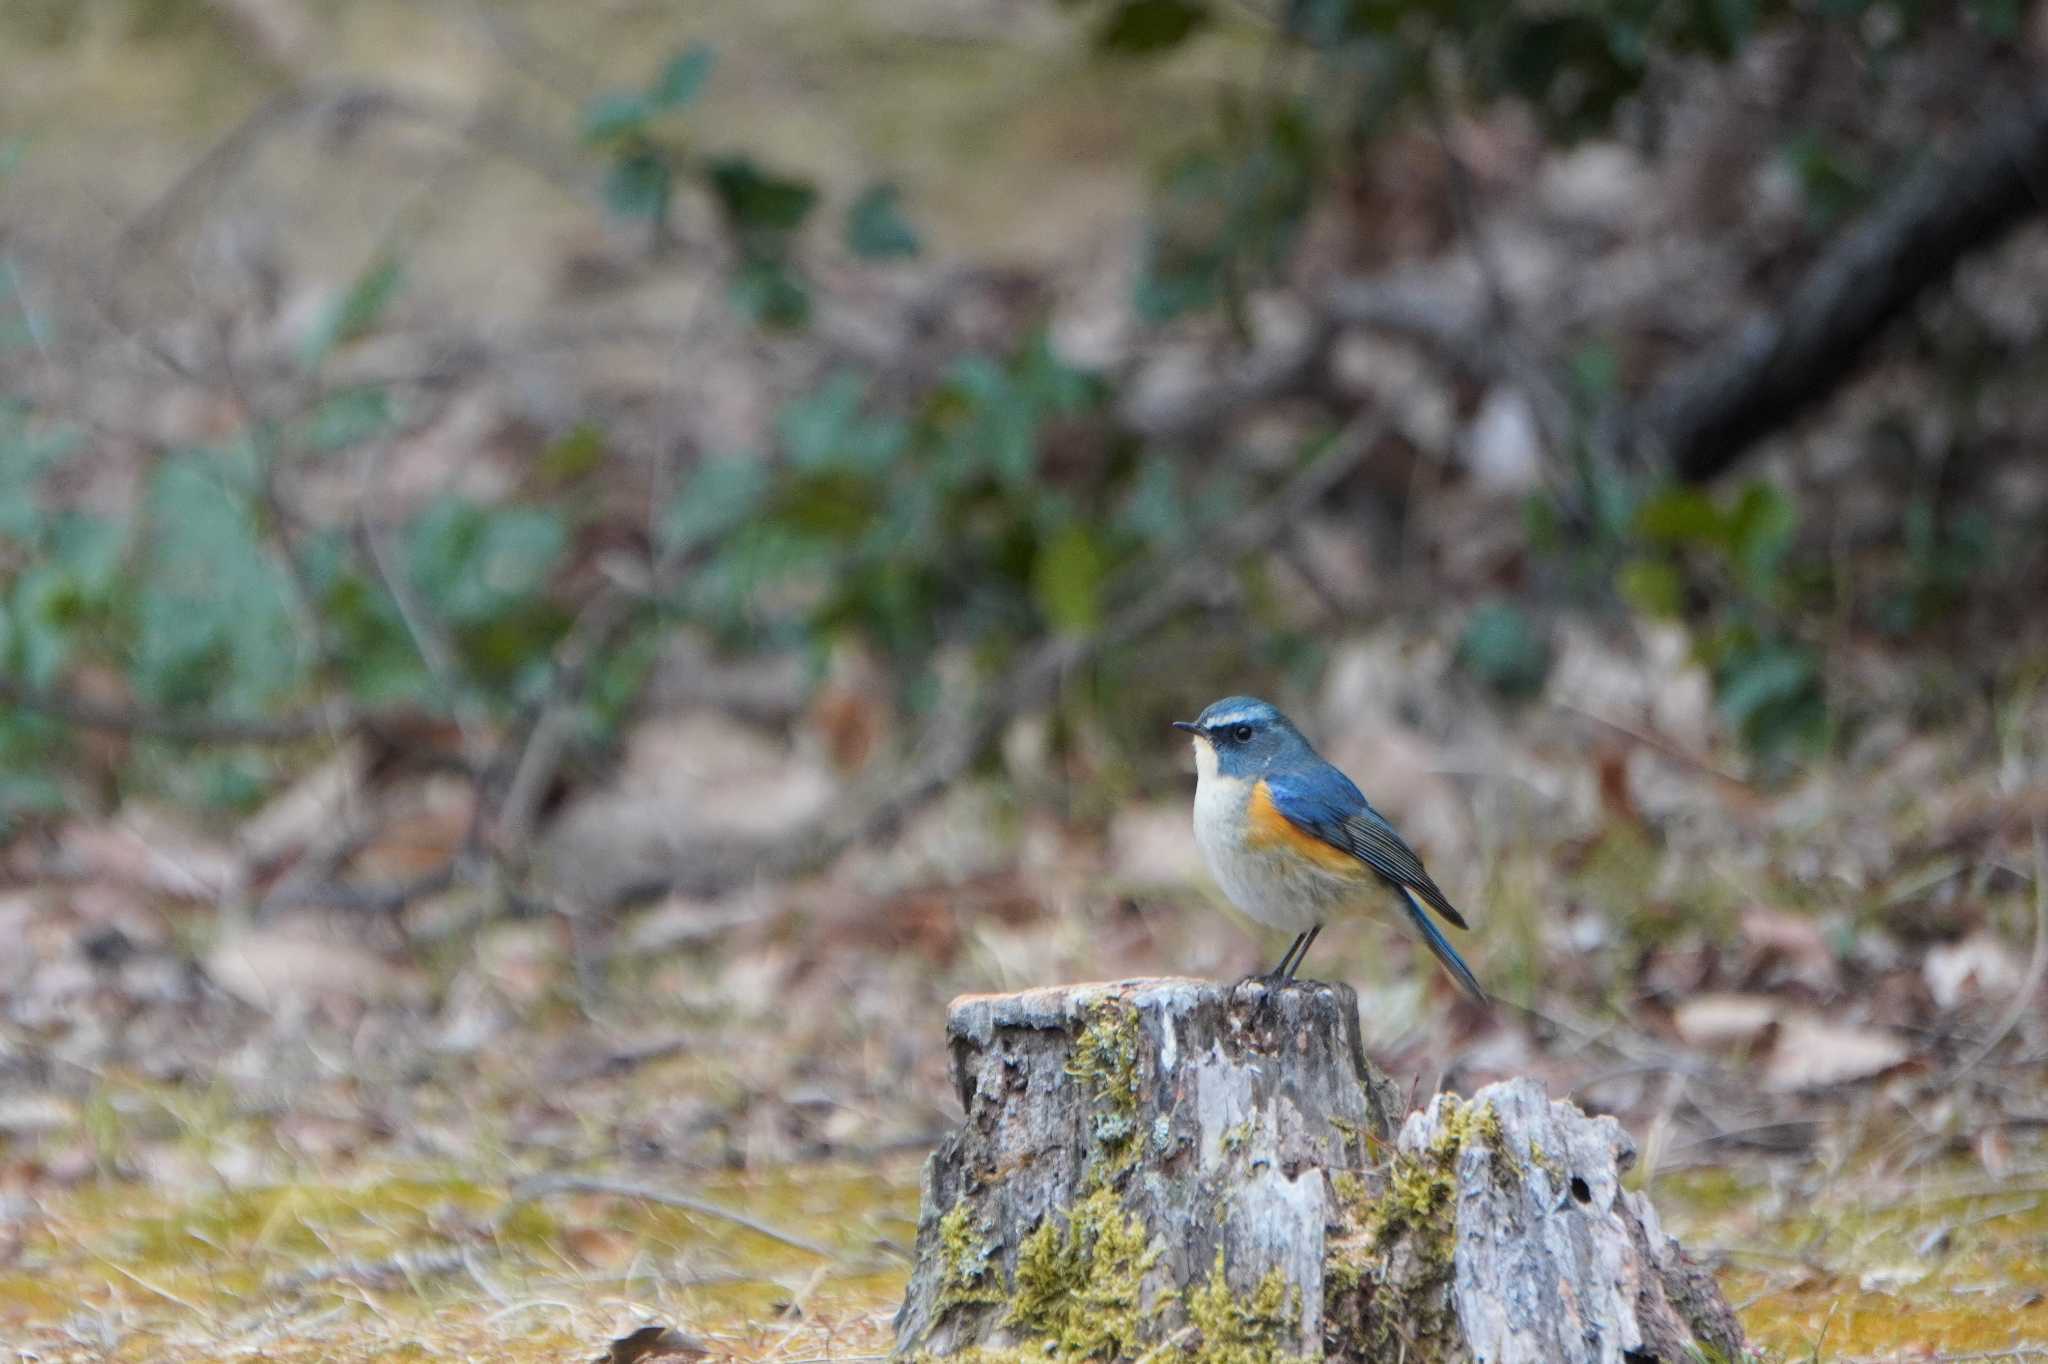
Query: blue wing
[[1325, 803]]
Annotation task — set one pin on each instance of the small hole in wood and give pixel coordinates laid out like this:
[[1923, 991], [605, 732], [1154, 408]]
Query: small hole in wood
[[1638, 1356], [1582, 1192]]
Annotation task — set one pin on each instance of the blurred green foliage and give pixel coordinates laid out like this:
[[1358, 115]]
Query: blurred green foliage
[[651, 158]]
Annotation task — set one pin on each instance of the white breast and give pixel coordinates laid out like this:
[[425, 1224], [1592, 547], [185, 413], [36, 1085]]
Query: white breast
[[1269, 885]]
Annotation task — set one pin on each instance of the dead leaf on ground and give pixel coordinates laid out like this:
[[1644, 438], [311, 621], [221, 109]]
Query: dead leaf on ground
[[1779, 945], [1812, 1053], [152, 850], [286, 968], [309, 809], [653, 1341], [1978, 968], [1723, 1021]]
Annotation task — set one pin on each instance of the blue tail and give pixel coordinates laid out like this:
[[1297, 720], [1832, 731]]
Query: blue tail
[[1441, 945]]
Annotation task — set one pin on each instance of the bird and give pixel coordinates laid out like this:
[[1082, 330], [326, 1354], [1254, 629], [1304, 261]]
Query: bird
[[1293, 842]]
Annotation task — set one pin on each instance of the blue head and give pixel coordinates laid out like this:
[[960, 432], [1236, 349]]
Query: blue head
[[1249, 738]]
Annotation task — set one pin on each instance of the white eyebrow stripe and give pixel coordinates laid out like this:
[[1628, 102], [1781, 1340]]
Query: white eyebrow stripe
[[1235, 717]]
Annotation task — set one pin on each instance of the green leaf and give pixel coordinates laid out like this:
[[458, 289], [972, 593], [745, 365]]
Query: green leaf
[[347, 419], [1066, 581], [638, 184], [1754, 684], [571, 457], [370, 642], [213, 624], [757, 201], [683, 78], [770, 293], [1502, 647], [1596, 370], [355, 313], [474, 564], [44, 613], [1652, 586], [830, 429], [875, 227], [721, 494], [26, 454], [1681, 517], [1760, 528], [1143, 27], [28, 793], [615, 115]]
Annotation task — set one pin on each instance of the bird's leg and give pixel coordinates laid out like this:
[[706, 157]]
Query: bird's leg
[[1306, 941], [1283, 971]]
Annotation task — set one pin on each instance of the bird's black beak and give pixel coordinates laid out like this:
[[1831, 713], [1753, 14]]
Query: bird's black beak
[[1189, 725]]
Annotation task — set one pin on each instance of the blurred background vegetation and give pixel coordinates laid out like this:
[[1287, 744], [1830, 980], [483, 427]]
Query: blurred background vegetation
[[534, 533]]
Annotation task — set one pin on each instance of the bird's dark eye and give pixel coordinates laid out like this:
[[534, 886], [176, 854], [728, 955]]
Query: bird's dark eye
[[1243, 734]]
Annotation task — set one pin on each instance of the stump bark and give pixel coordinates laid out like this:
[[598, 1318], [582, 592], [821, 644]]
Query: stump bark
[[1179, 1172]]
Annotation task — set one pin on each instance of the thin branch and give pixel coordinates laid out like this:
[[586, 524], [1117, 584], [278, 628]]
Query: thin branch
[[540, 757], [2037, 965], [328, 720], [543, 1186], [430, 640]]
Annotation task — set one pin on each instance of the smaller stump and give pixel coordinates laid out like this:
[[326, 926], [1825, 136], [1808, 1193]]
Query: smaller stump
[[1173, 1170]]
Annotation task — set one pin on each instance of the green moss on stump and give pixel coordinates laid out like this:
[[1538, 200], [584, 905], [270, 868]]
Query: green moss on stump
[[1080, 1286], [1387, 1273], [967, 1275], [1106, 1060], [1252, 1329]]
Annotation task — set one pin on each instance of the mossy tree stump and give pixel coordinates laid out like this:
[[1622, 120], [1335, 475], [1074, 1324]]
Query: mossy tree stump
[[1180, 1173]]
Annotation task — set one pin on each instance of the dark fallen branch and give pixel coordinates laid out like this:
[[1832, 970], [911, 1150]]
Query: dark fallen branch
[[1701, 419], [323, 721]]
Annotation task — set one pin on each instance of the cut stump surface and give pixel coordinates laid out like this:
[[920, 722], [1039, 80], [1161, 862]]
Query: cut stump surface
[[1184, 1173]]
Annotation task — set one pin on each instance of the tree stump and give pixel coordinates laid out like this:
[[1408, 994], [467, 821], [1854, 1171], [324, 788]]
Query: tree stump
[[1182, 1173]]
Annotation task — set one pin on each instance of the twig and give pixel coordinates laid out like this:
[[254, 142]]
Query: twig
[[544, 1186], [346, 105], [327, 720], [411, 1264], [2037, 964], [365, 899], [541, 754], [429, 640], [1661, 746]]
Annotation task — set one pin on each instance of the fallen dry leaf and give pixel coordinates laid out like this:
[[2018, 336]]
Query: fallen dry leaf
[[1723, 1021], [310, 808], [286, 968], [1812, 1053], [1780, 945], [152, 850], [1979, 967]]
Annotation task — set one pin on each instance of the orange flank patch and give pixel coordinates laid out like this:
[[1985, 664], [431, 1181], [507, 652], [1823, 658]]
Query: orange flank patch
[[1268, 828]]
